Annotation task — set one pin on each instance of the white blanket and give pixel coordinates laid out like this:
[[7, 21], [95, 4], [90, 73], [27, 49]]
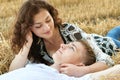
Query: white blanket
[[38, 72]]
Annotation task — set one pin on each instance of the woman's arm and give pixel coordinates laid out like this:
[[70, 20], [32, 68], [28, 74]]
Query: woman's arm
[[21, 58]]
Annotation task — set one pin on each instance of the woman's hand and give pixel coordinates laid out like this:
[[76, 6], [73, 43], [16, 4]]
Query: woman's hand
[[29, 39], [73, 70]]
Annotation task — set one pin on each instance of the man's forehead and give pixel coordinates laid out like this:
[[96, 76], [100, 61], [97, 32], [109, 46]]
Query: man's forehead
[[75, 44]]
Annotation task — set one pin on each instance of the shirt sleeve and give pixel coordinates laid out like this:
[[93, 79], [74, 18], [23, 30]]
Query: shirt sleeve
[[100, 55]]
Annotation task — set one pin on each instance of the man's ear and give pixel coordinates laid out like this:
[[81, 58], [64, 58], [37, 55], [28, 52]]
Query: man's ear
[[80, 64]]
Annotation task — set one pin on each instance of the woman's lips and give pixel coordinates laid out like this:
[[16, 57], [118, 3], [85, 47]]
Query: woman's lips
[[48, 32]]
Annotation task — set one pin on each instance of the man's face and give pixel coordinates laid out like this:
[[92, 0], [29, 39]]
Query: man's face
[[69, 53]]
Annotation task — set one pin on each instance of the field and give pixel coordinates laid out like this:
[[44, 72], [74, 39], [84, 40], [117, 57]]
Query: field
[[93, 16]]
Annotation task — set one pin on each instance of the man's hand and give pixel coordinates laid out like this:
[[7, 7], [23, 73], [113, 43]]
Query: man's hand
[[73, 70]]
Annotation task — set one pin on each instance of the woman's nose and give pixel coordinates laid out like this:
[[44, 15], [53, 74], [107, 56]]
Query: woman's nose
[[46, 27]]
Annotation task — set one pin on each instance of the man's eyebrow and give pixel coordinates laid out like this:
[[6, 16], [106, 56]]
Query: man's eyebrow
[[74, 45]]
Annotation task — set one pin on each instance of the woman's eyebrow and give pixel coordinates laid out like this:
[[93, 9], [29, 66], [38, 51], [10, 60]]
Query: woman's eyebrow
[[37, 23], [41, 22]]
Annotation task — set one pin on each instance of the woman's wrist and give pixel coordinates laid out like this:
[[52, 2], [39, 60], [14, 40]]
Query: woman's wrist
[[27, 45], [25, 50]]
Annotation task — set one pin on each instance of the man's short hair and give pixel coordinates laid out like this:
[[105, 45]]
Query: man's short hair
[[90, 57]]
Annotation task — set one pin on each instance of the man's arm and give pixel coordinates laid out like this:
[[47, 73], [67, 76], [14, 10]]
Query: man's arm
[[98, 66], [78, 71]]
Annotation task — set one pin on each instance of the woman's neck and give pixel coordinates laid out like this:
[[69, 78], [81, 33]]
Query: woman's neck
[[55, 38], [53, 44]]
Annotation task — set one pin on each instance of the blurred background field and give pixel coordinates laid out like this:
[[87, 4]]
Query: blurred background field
[[93, 16]]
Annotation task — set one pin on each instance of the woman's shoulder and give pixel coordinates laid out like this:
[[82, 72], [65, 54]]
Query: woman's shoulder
[[67, 25], [70, 32], [70, 27]]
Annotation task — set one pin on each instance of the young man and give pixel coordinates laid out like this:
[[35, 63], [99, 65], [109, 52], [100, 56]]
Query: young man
[[76, 53]]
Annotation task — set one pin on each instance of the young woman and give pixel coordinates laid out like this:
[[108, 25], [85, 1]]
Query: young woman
[[38, 34]]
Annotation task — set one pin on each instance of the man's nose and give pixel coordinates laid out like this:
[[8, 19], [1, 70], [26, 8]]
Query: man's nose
[[63, 46]]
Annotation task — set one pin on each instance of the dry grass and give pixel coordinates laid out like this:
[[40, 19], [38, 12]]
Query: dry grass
[[5, 55], [93, 16], [110, 77]]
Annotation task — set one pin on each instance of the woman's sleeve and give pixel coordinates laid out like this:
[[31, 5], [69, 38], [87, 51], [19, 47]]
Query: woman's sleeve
[[100, 56]]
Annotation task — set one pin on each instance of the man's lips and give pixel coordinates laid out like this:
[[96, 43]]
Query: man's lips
[[60, 51]]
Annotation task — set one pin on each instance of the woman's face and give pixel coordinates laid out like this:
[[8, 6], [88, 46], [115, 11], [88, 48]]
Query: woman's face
[[70, 53], [43, 24]]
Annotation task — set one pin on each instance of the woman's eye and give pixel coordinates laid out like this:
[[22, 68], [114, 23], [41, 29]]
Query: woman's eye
[[37, 26], [48, 20]]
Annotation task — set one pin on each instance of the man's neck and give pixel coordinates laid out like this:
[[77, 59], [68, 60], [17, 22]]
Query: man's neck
[[56, 66]]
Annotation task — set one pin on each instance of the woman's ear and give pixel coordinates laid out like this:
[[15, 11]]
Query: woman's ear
[[80, 64]]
